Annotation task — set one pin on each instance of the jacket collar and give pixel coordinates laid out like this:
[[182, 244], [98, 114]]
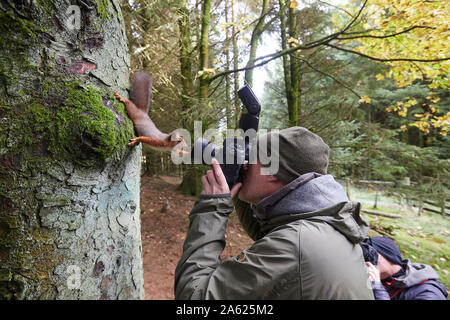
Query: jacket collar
[[313, 197], [308, 193], [411, 275], [269, 202]]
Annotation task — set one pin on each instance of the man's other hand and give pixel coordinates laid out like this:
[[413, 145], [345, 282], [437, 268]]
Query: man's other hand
[[214, 181], [374, 273]]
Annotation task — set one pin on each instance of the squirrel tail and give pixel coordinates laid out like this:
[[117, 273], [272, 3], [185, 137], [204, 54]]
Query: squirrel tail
[[141, 90]]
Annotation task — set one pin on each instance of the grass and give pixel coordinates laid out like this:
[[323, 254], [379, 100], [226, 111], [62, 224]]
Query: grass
[[422, 239]]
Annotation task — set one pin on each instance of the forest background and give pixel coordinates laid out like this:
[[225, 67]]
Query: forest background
[[369, 77]]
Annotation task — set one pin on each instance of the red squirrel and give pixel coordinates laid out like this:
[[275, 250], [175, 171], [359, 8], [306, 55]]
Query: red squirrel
[[137, 109]]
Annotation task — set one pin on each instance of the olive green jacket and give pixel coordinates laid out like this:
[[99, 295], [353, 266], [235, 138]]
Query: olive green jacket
[[297, 256]]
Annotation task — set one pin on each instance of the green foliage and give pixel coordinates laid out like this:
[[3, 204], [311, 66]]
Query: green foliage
[[274, 113], [345, 156], [367, 141], [356, 105]]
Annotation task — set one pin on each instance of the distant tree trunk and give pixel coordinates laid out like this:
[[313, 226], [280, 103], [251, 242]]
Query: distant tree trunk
[[256, 35], [227, 66], [293, 97], [187, 79], [151, 163], [69, 185], [284, 46], [237, 103], [191, 184], [204, 52], [291, 64]]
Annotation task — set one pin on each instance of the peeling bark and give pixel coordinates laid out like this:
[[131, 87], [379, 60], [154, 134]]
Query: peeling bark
[[69, 185]]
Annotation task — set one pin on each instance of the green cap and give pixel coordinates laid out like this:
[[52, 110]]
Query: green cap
[[300, 151]]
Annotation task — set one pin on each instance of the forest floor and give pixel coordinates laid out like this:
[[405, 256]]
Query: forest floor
[[164, 223]]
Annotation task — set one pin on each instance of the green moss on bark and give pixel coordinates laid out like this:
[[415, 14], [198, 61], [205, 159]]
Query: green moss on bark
[[24, 27], [102, 8], [17, 34], [71, 121], [84, 124], [46, 5], [24, 255]]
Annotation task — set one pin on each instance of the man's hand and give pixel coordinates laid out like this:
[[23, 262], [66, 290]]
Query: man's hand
[[374, 273], [214, 181]]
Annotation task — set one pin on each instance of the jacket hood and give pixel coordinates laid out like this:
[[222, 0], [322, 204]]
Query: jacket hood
[[317, 197], [414, 273]]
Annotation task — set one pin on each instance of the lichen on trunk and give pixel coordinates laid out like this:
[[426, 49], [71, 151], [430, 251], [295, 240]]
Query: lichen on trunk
[[69, 185]]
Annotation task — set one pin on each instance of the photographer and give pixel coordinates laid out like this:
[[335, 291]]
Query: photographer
[[395, 278], [306, 231]]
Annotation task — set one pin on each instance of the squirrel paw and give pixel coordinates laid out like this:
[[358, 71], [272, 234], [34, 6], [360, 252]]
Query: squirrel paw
[[118, 96], [133, 142]]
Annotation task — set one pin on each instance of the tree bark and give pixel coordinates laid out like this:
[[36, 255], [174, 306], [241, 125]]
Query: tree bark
[[227, 66], [204, 52], [237, 103], [256, 35], [294, 96], [284, 46], [291, 64], [69, 185], [186, 68]]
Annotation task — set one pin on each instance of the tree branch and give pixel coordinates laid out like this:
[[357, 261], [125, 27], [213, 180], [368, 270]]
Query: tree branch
[[385, 60], [326, 41], [384, 36], [355, 18], [339, 8], [273, 56], [330, 76]]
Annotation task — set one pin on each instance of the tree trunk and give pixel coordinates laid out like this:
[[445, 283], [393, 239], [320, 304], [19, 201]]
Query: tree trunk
[[256, 35], [69, 185], [291, 65], [227, 66], [204, 52], [237, 103], [187, 79], [191, 184], [293, 96], [284, 46]]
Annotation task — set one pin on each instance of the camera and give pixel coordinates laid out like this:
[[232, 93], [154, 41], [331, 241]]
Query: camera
[[369, 252], [235, 151]]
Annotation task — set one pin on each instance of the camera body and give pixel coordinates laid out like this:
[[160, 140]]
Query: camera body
[[235, 151], [369, 252]]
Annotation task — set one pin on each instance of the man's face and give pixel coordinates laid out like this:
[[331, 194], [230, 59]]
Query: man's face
[[256, 186]]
